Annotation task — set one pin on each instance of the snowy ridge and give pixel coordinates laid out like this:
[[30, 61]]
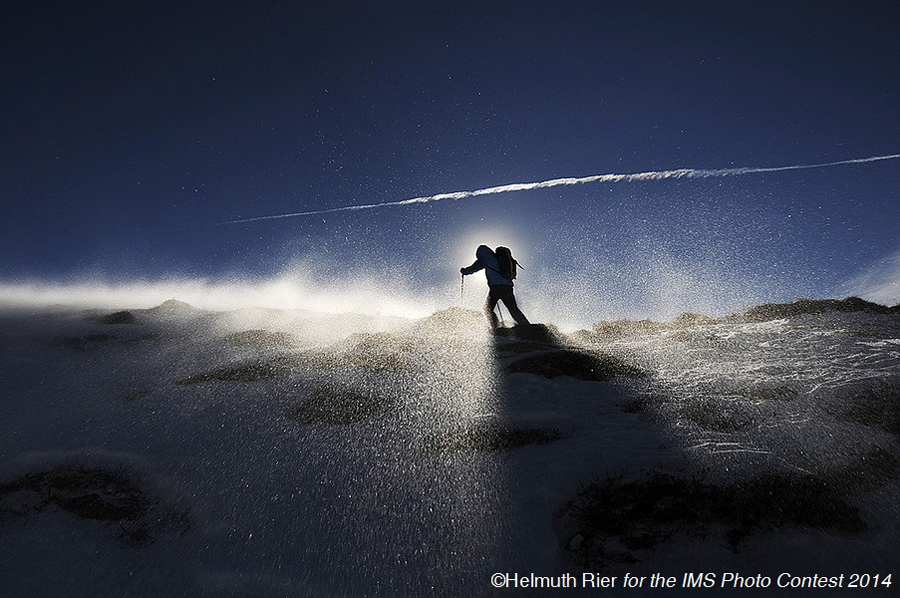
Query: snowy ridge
[[270, 452]]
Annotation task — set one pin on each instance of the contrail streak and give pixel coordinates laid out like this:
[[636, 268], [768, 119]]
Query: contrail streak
[[655, 175]]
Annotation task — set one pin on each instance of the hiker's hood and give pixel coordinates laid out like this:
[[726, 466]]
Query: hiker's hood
[[484, 252]]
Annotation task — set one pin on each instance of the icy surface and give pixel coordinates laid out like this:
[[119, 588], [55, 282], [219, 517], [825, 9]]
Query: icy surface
[[774, 386], [357, 456]]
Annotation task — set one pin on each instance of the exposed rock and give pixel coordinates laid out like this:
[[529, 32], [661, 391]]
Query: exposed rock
[[623, 521], [119, 317], [538, 333], [611, 330], [778, 311], [252, 372], [595, 366], [112, 496], [333, 405]]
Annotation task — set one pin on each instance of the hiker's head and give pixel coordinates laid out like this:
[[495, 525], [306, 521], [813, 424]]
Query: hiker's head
[[483, 250]]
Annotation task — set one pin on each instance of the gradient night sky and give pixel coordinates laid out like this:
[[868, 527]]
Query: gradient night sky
[[129, 132]]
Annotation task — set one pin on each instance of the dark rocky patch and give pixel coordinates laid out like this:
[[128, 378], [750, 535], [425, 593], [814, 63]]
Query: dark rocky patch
[[618, 521], [595, 366], [711, 415], [603, 331], [373, 342], [112, 496], [119, 317], [547, 334], [339, 406], [779, 311], [388, 361], [378, 361], [252, 372], [384, 351], [607, 331]]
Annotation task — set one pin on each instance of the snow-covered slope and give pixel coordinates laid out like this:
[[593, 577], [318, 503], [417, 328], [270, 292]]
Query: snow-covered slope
[[175, 451]]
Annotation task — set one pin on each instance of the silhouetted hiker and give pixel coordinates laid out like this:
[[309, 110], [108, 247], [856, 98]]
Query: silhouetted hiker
[[499, 281]]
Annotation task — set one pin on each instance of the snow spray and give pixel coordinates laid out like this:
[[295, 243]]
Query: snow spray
[[654, 175], [462, 287]]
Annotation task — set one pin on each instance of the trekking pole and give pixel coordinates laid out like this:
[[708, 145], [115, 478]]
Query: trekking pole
[[500, 311], [462, 285]]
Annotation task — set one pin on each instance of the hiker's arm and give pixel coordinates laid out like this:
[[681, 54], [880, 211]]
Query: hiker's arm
[[475, 267]]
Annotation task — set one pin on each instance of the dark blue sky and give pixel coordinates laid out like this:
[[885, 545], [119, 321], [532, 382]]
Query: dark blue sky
[[130, 131]]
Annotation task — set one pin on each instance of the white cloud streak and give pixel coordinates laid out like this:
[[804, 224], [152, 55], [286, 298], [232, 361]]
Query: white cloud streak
[[656, 175]]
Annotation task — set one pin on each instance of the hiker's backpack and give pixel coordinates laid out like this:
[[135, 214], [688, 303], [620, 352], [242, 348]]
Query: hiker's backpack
[[508, 264]]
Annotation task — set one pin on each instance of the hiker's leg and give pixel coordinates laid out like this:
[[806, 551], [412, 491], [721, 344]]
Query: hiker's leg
[[509, 300], [489, 305]]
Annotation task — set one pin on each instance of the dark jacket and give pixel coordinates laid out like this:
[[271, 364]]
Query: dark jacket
[[486, 259]]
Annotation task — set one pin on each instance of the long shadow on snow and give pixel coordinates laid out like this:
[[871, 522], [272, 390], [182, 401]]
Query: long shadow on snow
[[551, 410], [542, 351]]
